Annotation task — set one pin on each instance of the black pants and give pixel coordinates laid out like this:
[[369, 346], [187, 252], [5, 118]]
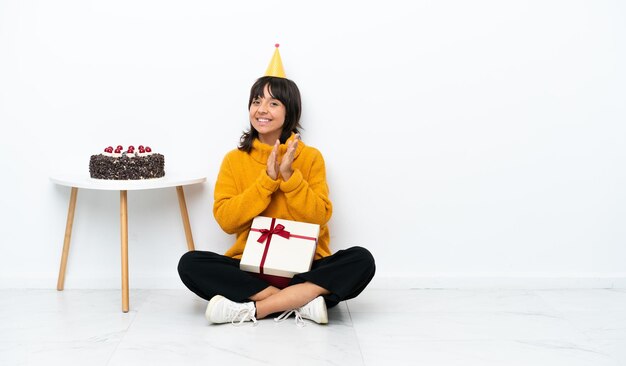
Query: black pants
[[345, 274]]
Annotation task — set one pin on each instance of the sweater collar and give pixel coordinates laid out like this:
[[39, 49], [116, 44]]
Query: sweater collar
[[260, 151]]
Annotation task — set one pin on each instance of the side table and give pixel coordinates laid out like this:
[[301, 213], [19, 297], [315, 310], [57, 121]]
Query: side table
[[84, 181]]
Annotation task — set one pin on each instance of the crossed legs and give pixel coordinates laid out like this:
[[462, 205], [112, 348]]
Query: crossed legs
[[339, 277], [273, 300]]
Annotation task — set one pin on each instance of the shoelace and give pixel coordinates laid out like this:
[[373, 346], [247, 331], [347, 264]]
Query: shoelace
[[245, 314], [286, 314]]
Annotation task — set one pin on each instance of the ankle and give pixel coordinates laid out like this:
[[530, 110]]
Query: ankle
[[260, 310]]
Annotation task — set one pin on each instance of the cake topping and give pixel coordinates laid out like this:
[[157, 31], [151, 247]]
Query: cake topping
[[130, 151]]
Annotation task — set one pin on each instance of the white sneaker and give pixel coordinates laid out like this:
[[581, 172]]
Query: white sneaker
[[221, 310], [315, 310]]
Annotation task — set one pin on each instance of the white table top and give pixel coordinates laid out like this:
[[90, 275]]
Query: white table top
[[85, 181]]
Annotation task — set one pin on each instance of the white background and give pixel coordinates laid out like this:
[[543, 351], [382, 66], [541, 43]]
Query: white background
[[468, 143]]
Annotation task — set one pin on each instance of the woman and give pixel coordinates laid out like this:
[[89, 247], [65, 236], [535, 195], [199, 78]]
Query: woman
[[273, 173]]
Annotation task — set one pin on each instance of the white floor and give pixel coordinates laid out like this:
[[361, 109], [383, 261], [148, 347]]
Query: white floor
[[381, 327]]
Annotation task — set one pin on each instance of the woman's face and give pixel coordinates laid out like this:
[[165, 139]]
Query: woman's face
[[267, 116]]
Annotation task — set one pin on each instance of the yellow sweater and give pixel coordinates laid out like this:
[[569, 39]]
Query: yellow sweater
[[244, 190]]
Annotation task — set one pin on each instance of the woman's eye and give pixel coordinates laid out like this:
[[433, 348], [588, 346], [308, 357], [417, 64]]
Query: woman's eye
[[275, 104], [256, 102]]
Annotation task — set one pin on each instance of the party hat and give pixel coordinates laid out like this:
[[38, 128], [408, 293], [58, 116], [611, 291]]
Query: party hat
[[275, 67]]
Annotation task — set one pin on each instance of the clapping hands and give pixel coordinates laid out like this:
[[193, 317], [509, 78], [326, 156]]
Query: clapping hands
[[274, 166]]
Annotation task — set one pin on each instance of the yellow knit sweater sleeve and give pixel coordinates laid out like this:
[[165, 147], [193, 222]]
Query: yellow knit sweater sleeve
[[236, 205], [308, 196]]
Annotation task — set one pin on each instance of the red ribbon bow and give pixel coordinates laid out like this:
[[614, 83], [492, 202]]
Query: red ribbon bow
[[278, 230]]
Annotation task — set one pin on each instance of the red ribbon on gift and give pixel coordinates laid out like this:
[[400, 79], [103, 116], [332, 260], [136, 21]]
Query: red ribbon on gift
[[278, 230]]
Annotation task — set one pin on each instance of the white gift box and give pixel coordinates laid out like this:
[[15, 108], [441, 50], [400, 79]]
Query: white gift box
[[277, 247]]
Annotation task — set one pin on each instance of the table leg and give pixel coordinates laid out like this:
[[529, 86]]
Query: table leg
[[185, 215], [68, 236], [124, 230]]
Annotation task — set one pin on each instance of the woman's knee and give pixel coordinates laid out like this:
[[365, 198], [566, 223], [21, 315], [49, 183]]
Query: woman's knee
[[364, 256], [186, 262], [365, 259]]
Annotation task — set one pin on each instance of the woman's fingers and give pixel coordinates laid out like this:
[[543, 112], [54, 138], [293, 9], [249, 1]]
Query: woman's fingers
[[291, 147], [272, 162], [285, 166]]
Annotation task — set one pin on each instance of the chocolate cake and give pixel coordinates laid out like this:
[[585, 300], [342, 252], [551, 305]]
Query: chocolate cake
[[130, 164]]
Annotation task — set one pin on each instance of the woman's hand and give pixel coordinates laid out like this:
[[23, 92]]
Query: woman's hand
[[272, 162], [285, 165]]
